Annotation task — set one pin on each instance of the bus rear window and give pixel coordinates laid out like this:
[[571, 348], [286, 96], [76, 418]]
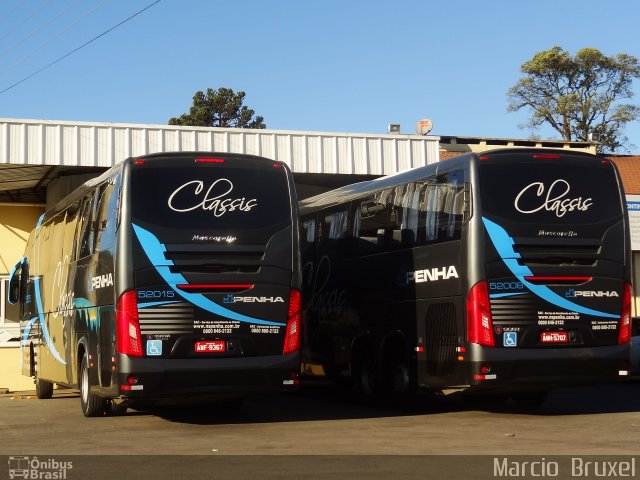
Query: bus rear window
[[550, 192], [211, 199]]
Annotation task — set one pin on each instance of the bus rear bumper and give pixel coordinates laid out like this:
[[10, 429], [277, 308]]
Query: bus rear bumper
[[153, 378], [543, 369]]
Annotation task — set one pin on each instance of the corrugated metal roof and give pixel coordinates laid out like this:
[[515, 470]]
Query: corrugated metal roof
[[91, 144]]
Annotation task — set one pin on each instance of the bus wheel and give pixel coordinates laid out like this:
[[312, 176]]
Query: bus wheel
[[529, 399], [92, 405], [366, 377], [44, 389]]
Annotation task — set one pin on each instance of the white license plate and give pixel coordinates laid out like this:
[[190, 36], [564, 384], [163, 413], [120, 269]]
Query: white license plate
[[554, 337], [210, 346]]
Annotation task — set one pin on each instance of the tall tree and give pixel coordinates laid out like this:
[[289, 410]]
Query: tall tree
[[581, 97], [219, 108]]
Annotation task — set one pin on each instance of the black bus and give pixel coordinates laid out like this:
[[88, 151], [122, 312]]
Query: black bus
[[171, 275], [501, 273]]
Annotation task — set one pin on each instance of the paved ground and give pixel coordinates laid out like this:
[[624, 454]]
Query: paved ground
[[598, 420]]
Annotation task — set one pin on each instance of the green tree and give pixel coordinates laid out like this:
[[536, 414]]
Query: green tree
[[581, 97], [219, 108]]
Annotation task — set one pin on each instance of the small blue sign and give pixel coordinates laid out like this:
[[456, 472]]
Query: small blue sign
[[154, 348], [510, 339]]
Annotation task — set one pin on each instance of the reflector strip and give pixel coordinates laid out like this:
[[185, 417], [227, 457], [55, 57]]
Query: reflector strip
[[485, 377], [557, 278], [128, 388], [214, 286]]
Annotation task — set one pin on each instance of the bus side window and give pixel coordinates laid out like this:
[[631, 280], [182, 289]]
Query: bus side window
[[308, 236], [56, 244], [370, 220], [334, 227], [87, 234], [71, 222], [309, 231], [410, 216], [442, 208], [42, 249], [105, 218]]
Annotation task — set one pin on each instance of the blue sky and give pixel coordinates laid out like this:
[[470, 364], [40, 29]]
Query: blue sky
[[335, 65]]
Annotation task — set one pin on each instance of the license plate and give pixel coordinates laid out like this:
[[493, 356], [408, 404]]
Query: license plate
[[554, 337], [210, 346]]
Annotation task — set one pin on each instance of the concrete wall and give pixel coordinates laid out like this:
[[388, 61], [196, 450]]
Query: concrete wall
[[16, 222], [10, 371]]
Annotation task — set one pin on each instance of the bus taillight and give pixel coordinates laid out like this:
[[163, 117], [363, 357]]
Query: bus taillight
[[209, 160], [479, 324], [292, 334], [624, 333], [127, 325]]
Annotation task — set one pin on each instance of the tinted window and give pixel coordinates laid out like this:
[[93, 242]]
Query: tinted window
[[552, 191], [87, 233], [181, 202], [410, 215]]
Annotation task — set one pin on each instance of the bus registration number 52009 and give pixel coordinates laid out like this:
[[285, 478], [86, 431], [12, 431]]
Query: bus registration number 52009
[[210, 346]]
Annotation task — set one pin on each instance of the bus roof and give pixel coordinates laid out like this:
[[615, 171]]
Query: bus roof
[[355, 190]]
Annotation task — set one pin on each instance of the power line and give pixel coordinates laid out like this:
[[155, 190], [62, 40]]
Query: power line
[[38, 30], [25, 20], [80, 47], [47, 42]]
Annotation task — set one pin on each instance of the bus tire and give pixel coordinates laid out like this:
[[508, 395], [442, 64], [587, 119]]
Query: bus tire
[[366, 377], [92, 405], [44, 389]]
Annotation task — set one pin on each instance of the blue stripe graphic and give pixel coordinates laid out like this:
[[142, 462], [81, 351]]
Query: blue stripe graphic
[[155, 250], [504, 245], [503, 295], [155, 304], [43, 324]]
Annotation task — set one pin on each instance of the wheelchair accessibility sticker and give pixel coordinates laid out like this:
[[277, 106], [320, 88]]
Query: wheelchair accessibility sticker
[[510, 339], [154, 348]]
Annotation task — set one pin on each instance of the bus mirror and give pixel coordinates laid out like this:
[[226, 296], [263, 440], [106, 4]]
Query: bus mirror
[[14, 284]]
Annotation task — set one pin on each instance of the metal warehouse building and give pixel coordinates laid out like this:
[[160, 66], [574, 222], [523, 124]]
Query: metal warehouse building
[[41, 161]]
